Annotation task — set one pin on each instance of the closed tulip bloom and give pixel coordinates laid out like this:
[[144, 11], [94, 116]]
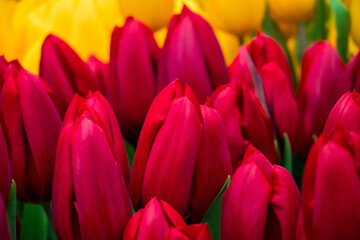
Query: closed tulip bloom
[[153, 221], [346, 112], [191, 170], [97, 108], [100, 73], [294, 11], [355, 19], [331, 204], [245, 121], [5, 168], [90, 198], [64, 72], [191, 232], [318, 90], [4, 228], [154, 13], [237, 17], [33, 126], [351, 77], [193, 55], [262, 201], [133, 82], [3, 66]]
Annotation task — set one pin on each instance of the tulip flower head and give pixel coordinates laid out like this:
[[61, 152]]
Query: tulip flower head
[[33, 124], [90, 198], [5, 168], [355, 19], [351, 77], [195, 231], [292, 11], [262, 201]]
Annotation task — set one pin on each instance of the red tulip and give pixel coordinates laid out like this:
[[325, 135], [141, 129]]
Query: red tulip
[[321, 71], [97, 108], [4, 228], [3, 67], [331, 185], [100, 73], [33, 125], [153, 221], [5, 168], [239, 68], [245, 121], [262, 201], [64, 72], [90, 198], [133, 75], [192, 168], [191, 232], [351, 76], [346, 112], [192, 54]]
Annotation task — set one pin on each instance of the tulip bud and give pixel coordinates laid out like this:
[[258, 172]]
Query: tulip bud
[[330, 187], [237, 17], [90, 198], [64, 72], [346, 112], [191, 170], [318, 91], [193, 55], [355, 19], [5, 168], [133, 81], [3, 66], [262, 201], [33, 125], [245, 121], [4, 228], [195, 232], [156, 13], [99, 72], [294, 11], [97, 108], [153, 221], [351, 76]]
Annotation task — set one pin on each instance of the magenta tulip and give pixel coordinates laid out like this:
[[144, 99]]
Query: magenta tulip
[[133, 81], [5, 168], [4, 228], [33, 126], [191, 232], [90, 198], [351, 76], [193, 55], [262, 201], [192, 168]]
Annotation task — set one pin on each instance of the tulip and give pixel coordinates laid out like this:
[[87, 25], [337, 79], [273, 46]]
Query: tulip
[[156, 13], [346, 112], [100, 73], [193, 55], [33, 125], [133, 81], [195, 232], [355, 19], [153, 222], [64, 72], [262, 201], [318, 91], [4, 228], [97, 108], [330, 187], [90, 198], [245, 121], [192, 169], [5, 168], [294, 11], [237, 17], [351, 77], [3, 66]]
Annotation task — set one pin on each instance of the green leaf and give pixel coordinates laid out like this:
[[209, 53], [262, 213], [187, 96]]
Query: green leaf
[[342, 20], [34, 224], [213, 214], [11, 210], [316, 28], [287, 158], [130, 151], [48, 210]]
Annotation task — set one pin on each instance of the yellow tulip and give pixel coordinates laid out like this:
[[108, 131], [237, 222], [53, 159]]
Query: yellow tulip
[[229, 45], [86, 25], [154, 13], [288, 29], [236, 16], [355, 20], [292, 10]]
